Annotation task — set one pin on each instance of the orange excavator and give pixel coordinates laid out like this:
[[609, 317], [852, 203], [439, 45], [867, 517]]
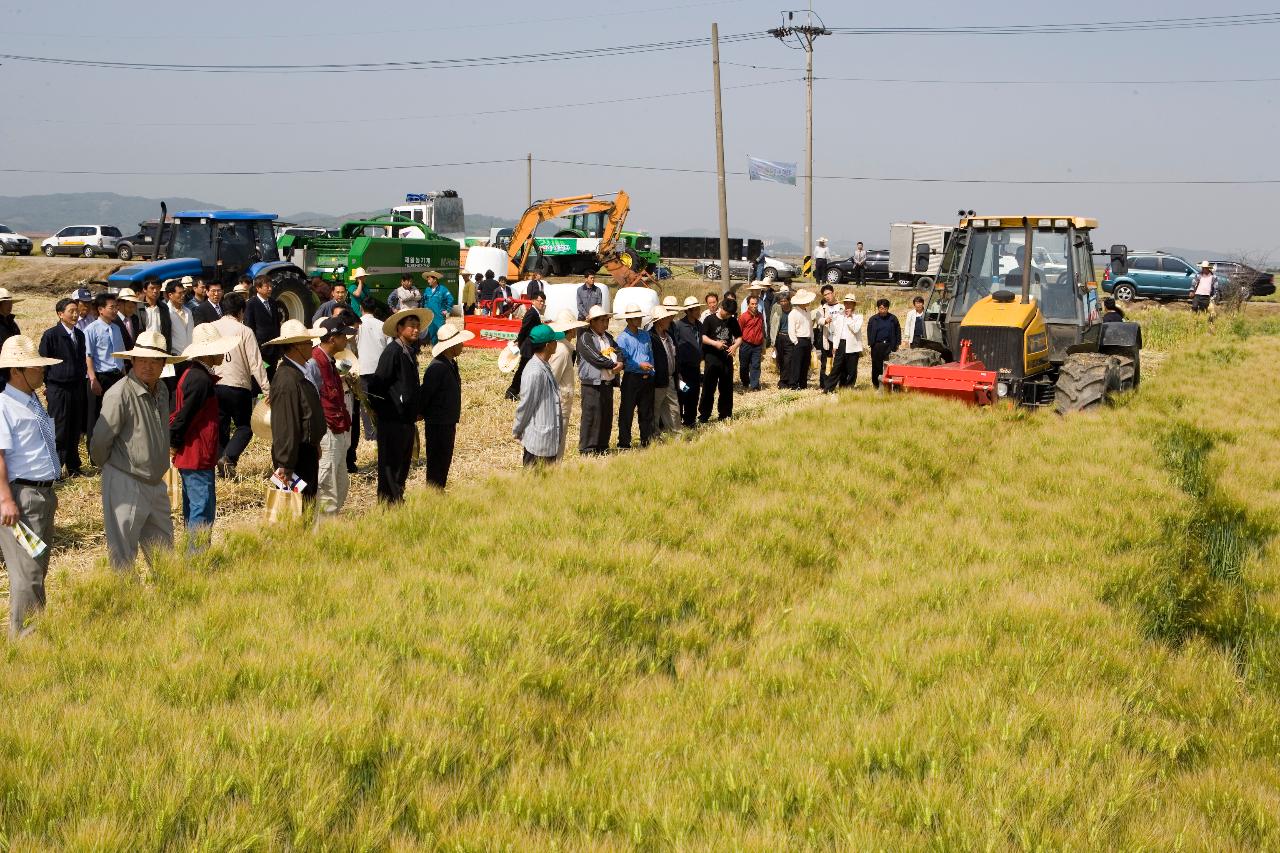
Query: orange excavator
[[525, 253]]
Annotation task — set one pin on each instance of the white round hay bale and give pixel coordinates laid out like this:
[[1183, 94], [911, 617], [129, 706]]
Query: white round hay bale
[[481, 259]]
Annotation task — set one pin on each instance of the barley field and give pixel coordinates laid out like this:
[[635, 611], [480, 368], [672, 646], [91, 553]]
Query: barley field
[[869, 622]]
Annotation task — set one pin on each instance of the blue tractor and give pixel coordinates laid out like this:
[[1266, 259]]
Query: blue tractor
[[222, 245]]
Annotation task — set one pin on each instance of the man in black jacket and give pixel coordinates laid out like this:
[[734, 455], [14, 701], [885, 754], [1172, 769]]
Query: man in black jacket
[[128, 319], [202, 310], [687, 332], [532, 317], [442, 402], [154, 312], [666, 370], [8, 322], [394, 393], [297, 419], [66, 384], [263, 315], [884, 335]]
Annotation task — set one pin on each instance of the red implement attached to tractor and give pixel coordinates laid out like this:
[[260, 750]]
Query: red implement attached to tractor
[[495, 329], [967, 379]]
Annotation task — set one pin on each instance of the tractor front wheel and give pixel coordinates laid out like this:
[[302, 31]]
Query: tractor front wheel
[[1086, 381], [291, 291]]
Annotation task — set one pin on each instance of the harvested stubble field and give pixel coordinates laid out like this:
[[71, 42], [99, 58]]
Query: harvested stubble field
[[887, 622]]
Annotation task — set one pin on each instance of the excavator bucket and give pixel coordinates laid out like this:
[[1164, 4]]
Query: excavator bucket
[[968, 380]]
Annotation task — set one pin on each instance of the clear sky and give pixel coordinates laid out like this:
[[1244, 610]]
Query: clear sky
[[59, 117]]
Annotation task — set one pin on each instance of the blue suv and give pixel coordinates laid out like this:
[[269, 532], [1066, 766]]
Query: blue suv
[[1152, 274]]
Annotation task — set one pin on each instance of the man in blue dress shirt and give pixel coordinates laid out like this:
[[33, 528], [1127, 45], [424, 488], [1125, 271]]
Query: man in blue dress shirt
[[102, 337], [636, 346]]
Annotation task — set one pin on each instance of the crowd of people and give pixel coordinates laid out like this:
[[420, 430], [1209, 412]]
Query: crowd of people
[[162, 384]]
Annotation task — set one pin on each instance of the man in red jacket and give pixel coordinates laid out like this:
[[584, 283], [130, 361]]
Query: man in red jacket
[[325, 373], [193, 430]]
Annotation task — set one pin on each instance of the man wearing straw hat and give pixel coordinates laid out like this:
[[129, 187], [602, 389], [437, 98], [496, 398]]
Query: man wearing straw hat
[[800, 332], [130, 443], [8, 322], [333, 480], [563, 368], [394, 393], [687, 332], [821, 256], [538, 422], [127, 316], [193, 429], [780, 337], [28, 468], [297, 419], [599, 364], [636, 346], [66, 384], [846, 344], [441, 398], [666, 369], [439, 301]]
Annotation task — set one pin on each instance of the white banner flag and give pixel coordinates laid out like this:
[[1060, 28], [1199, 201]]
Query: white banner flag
[[771, 170]]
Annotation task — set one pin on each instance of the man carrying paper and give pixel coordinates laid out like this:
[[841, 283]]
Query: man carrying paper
[[28, 468]]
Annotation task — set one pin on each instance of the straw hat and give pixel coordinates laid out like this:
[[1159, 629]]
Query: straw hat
[[260, 420], [670, 302], [566, 321], [449, 337], [149, 344], [240, 288], [691, 302], [6, 296], [597, 312], [424, 315], [849, 297], [126, 294], [20, 351], [293, 332], [802, 297], [187, 281], [358, 272], [661, 312], [822, 239], [631, 312], [207, 340], [431, 275], [1205, 265], [509, 358]]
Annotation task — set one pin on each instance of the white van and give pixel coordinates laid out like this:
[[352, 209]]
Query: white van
[[85, 240]]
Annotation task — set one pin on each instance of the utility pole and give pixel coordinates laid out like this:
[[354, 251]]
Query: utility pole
[[802, 37], [528, 174], [720, 185]]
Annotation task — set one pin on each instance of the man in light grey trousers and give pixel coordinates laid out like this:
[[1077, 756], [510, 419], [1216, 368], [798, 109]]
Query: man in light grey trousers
[[130, 443], [28, 468]]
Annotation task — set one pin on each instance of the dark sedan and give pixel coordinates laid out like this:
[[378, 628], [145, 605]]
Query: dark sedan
[[1251, 282], [839, 272]]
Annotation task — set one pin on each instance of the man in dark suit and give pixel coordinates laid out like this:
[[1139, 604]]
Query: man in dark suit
[[128, 318], [532, 317], [66, 384], [262, 316], [155, 314], [202, 310], [297, 419], [394, 394]]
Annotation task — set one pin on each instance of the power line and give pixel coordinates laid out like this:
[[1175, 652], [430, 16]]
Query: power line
[[1138, 25], [672, 170], [430, 117], [400, 65], [947, 82]]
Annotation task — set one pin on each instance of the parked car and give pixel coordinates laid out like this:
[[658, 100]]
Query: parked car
[[841, 271], [1152, 274], [12, 241], [1252, 282], [142, 244], [85, 240], [775, 270]]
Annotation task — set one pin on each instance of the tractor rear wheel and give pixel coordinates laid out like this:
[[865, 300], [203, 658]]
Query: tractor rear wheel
[[1130, 371], [291, 291], [1086, 380]]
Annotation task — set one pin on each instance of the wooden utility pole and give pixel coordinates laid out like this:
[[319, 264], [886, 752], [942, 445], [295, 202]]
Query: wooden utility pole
[[720, 183], [528, 174]]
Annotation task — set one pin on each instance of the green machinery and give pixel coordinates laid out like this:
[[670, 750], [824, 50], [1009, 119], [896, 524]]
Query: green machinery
[[362, 243], [581, 238]]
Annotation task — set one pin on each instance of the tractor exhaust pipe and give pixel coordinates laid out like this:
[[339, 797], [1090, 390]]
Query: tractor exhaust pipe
[[160, 248]]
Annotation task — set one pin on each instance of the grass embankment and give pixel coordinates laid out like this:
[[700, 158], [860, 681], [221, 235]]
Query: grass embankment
[[888, 622]]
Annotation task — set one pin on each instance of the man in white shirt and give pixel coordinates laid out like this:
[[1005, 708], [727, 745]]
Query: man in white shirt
[[237, 375], [180, 320], [1202, 292], [860, 264], [821, 254], [370, 342], [913, 328], [827, 312], [846, 342], [28, 468]]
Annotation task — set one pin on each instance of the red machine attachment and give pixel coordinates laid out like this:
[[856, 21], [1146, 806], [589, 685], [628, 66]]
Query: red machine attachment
[[495, 329], [967, 379]]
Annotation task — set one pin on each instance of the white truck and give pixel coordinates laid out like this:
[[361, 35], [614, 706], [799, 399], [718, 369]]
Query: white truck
[[906, 240]]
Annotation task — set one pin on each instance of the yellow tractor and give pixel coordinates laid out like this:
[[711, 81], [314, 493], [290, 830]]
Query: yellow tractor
[[1014, 316]]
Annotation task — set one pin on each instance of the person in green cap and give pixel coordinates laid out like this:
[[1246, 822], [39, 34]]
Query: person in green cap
[[539, 422]]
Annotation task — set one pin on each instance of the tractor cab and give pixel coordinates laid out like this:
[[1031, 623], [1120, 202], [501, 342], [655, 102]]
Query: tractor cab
[[1014, 314]]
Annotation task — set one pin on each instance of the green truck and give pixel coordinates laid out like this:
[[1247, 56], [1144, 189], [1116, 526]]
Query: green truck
[[361, 243]]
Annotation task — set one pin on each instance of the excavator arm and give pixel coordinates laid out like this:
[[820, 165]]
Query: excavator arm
[[616, 207]]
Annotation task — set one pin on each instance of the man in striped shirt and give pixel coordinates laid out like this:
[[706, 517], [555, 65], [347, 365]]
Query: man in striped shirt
[[539, 421]]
